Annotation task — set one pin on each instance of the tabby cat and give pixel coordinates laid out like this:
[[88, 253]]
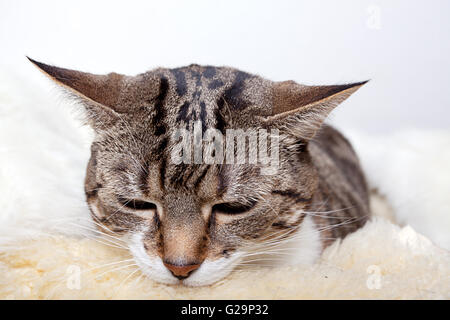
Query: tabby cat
[[192, 223]]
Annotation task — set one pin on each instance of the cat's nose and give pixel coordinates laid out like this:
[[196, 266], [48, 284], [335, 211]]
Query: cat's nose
[[181, 271]]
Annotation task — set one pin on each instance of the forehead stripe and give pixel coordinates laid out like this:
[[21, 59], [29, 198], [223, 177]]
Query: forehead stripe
[[160, 127], [183, 112], [180, 79], [201, 176], [203, 115], [160, 112], [209, 72], [215, 84], [233, 94], [220, 120]]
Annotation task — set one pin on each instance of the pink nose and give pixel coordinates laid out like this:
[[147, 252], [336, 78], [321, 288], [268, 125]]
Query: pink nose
[[181, 271]]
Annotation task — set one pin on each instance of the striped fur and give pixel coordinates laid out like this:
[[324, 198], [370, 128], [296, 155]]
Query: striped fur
[[134, 119]]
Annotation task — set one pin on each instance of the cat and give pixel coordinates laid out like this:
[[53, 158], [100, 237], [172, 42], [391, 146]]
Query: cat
[[193, 223]]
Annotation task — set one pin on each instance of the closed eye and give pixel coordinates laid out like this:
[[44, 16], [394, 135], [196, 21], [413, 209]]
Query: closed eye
[[136, 204], [233, 207]]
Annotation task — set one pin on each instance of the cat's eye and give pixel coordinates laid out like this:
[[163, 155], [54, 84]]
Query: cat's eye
[[136, 204], [233, 207]]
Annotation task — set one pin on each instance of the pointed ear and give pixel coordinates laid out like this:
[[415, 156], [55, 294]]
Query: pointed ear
[[98, 93], [302, 109]]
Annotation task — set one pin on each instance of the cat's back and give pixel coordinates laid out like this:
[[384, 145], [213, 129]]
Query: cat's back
[[342, 192], [333, 154]]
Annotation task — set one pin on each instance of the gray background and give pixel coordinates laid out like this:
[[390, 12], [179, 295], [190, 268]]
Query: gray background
[[402, 46]]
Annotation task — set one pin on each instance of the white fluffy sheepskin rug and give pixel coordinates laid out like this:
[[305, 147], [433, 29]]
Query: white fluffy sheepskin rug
[[48, 251]]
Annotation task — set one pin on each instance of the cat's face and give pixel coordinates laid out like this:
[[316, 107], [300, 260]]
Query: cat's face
[[194, 222], [187, 215]]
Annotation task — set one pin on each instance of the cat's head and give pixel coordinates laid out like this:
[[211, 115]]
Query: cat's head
[[194, 221]]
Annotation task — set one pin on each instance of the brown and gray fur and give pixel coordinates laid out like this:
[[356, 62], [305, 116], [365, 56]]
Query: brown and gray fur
[[132, 186]]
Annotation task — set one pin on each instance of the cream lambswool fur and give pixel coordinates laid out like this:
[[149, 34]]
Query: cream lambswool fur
[[47, 250], [379, 261]]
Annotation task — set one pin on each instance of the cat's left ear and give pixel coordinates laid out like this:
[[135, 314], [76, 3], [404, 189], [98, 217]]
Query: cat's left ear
[[99, 93], [302, 109]]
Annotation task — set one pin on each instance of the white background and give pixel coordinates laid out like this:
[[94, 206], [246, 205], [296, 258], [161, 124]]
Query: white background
[[402, 46]]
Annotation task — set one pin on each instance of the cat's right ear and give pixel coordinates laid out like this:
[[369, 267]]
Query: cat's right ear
[[98, 93]]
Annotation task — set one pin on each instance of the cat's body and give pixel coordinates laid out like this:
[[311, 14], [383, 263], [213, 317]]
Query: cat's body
[[194, 222], [342, 191], [339, 206]]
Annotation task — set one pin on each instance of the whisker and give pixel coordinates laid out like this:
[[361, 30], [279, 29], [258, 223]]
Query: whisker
[[116, 269], [124, 281], [63, 278], [104, 237]]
